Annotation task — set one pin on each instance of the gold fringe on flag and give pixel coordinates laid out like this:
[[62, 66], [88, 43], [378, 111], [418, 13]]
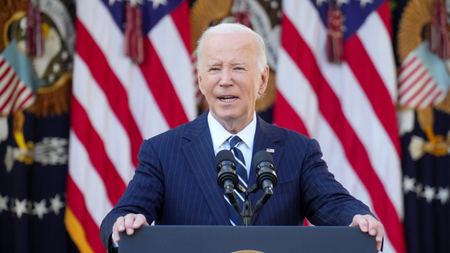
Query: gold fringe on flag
[[444, 105], [203, 14], [76, 232], [54, 100], [416, 16], [268, 98], [10, 11]]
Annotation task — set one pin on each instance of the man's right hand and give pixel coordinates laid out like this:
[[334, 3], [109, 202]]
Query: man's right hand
[[128, 223]]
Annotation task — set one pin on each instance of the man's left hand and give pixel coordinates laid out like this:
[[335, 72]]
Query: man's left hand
[[368, 224]]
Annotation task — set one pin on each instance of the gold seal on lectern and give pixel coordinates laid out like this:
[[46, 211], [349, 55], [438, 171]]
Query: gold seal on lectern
[[247, 251]]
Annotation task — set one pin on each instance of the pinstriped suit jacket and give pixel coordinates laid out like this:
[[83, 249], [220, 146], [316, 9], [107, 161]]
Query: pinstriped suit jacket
[[176, 182]]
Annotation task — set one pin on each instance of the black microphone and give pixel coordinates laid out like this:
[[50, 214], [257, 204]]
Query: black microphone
[[228, 177], [266, 178], [265, 170]]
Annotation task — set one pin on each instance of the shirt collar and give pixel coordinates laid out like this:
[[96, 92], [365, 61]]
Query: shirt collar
[[219, 134]]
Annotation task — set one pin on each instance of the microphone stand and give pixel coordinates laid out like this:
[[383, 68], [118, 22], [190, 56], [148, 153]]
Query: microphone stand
[[247, 213], [268, 192]]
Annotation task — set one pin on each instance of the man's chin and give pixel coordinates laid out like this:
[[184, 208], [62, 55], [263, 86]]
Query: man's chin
[[226, 117], [230, 116]]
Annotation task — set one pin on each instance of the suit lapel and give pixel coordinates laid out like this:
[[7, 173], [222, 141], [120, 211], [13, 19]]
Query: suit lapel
[[199, 153], [265, 138]]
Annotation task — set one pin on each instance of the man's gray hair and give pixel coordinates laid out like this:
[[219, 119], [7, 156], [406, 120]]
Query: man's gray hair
[[230, 28]]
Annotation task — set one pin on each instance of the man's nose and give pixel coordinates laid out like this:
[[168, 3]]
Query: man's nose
[[226, 78]]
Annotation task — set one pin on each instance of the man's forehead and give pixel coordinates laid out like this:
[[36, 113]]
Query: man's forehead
[[237, 39]]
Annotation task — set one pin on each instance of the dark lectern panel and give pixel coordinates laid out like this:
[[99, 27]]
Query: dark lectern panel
[[228, 239]]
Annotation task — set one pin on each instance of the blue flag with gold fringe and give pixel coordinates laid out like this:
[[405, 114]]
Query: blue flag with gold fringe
[[424, 100], [426, 184], [36, 53]]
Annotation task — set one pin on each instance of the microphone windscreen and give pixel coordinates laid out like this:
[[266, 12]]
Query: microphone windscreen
[[224, 155], [262, 156]]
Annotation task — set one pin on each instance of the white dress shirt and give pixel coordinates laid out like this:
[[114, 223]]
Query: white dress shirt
[[220, 135]]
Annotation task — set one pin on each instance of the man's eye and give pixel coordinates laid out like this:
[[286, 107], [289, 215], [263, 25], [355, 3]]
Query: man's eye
[[213, 69]]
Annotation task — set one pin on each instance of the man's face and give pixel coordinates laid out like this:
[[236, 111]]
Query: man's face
[[229, 77]]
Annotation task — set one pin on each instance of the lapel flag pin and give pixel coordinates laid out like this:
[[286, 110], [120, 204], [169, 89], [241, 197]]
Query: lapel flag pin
[[270, 150]]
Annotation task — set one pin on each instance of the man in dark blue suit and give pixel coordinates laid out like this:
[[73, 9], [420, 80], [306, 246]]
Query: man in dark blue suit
[[176, 180]]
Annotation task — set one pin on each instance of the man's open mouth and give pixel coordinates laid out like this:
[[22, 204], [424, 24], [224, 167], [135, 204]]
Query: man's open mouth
[[227, 98]]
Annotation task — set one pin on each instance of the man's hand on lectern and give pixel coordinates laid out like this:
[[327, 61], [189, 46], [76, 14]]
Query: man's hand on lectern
[[128, 223], [368, 224]]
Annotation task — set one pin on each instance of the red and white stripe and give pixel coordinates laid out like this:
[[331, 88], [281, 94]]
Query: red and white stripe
[[116, 104], [14, 93], [348, 108], [417, 88]]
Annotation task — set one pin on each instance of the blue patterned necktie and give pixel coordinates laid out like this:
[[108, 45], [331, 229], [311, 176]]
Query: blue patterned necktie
[[240, 161], [242, 172]]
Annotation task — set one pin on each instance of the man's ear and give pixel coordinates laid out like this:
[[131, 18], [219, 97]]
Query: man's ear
[[199, 79], [264, 81]]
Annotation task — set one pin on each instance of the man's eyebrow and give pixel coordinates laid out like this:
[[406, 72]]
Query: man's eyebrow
[[214, 63], [239, 63]]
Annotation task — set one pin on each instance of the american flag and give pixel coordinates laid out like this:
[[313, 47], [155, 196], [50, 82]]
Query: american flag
[[348, 108], [419, 79], [116, 104], [15, 94]]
